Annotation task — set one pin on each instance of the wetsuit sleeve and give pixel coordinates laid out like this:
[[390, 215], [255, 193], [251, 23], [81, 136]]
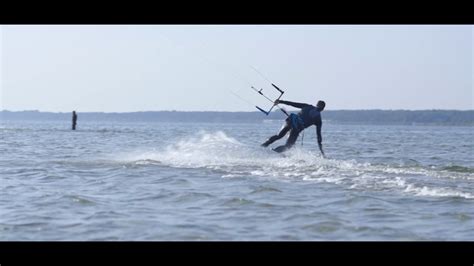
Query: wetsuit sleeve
[[297, 105], [318, 133]]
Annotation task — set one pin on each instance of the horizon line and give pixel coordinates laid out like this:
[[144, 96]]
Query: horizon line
[[215, 111]]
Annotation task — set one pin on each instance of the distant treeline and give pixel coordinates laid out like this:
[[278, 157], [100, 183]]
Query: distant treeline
[[426, 117]]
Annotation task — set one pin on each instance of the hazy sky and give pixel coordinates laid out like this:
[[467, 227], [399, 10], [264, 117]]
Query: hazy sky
[[119, 68]]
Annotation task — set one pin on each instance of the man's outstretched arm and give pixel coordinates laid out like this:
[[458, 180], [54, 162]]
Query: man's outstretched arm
[[320, 140], [294, 104]]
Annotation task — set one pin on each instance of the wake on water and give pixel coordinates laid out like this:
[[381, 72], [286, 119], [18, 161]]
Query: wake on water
[[232, 159]]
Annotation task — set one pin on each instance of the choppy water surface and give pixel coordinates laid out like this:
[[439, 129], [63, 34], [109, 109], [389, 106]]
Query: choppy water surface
[[185, 181]]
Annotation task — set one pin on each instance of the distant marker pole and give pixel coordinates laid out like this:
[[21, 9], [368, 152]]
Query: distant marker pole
[[74, 120]]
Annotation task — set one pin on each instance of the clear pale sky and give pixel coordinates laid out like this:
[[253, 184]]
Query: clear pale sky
[[120, 68]]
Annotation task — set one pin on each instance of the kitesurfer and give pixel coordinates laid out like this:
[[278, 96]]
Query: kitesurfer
[[295, 123]]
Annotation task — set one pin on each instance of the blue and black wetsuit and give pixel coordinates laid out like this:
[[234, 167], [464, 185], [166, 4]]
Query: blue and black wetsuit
[[295, 123]]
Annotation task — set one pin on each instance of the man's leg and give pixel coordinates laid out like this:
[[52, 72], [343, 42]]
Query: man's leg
[[280, 135], [290, 142]]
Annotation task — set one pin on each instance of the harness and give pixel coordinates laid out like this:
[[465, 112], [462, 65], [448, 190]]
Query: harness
[[296, 122]]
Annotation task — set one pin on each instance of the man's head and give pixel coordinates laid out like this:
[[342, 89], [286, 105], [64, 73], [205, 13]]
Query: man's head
[[321, 105]]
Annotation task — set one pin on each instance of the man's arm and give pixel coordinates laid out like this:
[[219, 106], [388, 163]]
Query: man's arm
[[320, 139], [318, 133], [297, 105]]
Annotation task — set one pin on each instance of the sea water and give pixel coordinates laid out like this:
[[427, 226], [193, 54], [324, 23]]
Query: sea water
[[212, 181]]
